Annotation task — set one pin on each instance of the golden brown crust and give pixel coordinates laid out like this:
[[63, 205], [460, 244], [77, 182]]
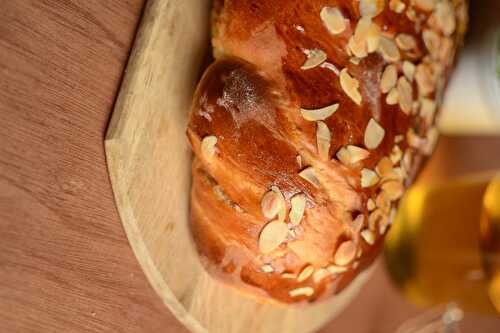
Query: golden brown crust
[[258, 135]]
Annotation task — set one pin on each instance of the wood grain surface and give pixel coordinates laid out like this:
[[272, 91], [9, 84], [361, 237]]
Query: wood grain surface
[[65, 263]]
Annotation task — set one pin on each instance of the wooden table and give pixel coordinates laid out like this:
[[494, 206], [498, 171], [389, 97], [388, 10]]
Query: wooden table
[[65, 263]]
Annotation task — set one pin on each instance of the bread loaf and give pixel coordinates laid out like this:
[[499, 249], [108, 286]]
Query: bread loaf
[[313, 120]]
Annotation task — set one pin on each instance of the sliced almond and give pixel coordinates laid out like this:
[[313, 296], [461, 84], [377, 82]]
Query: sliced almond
[[389, 78], [314, 58], [408, 70], [425, 80], [392, 215], [427, 110], [365, 39], [368, 236], [407, 160], [426, 5], [334, 269], [357, 48], [323, 140], [437, 70], [350, 86], [369, 178], [282, 212], [440, 80], [272, 236], [345, 253], [303, 291], [357, 223], [387, 221], [270, 204], [413, 139], [273, 203], [383, 202], [310, 175], [405, 92], [208, 146], [432, 42], [305, 273], [320, 274], [267, 268], [370, 205], [383, 226], [394, 189], [371, 8], [330, 67], [397, 6], [373, 38], [447, 51], [374, 134], [392, 97], [333, 20], [445, 17], [396, 154], [362, 29], [376, 218], [298, 203], [395, 174], [384, 167], [389, 50], [319, 114], [399, 173], [350, 154], [406, 42], [431, 140]]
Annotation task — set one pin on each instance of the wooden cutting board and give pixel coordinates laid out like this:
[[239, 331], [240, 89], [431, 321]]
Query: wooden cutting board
[[149, 163]]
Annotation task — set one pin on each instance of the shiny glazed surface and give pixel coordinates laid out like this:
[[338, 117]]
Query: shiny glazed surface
[[250, 102]]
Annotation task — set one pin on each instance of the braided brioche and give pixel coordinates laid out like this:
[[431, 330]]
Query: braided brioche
[[313, 120]]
